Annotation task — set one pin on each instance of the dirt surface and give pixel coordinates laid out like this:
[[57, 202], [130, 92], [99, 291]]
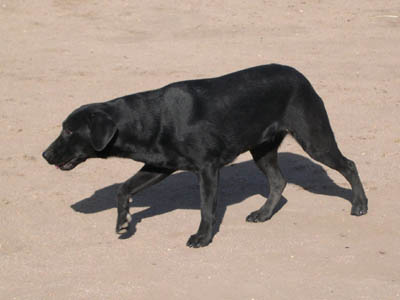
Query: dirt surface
[[57, 237]]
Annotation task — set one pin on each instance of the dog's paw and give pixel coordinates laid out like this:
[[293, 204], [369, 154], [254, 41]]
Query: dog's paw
[[199, 240], [123, 223], [359, 209], [258, 216]]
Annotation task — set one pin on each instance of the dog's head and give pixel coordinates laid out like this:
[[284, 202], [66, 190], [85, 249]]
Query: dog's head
[[85, 133]]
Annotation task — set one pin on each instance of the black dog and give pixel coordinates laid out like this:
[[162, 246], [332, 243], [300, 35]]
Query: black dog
[[202, 125]]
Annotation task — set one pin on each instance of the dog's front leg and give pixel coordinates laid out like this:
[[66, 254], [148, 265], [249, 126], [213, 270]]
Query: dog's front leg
[[208, 180], [146, 177]]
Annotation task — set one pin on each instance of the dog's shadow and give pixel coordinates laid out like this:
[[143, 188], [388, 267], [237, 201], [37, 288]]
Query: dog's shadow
[[237, 183]]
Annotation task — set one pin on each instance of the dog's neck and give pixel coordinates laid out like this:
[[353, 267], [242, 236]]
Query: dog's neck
[[142, 131]]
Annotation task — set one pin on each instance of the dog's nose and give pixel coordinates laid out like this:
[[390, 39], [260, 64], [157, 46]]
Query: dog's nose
[[45, 155]]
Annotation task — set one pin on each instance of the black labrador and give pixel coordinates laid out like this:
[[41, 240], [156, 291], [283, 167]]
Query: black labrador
[[201, 126]]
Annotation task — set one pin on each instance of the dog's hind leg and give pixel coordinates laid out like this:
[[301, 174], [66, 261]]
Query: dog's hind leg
[[334, 159], [266, 158], [147, 176], [311, 128]]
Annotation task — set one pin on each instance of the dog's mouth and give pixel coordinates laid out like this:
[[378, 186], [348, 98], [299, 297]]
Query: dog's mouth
[[70, 164]]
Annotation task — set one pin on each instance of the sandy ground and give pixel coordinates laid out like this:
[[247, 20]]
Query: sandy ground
[[57, 237]]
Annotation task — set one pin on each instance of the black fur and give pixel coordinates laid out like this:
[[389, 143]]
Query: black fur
[[202, 125]]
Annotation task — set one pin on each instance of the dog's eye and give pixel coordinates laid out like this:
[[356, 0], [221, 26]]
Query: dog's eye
[[67, 132]]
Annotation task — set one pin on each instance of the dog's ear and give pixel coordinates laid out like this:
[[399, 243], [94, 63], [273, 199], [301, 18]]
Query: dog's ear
[[102, 130]]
